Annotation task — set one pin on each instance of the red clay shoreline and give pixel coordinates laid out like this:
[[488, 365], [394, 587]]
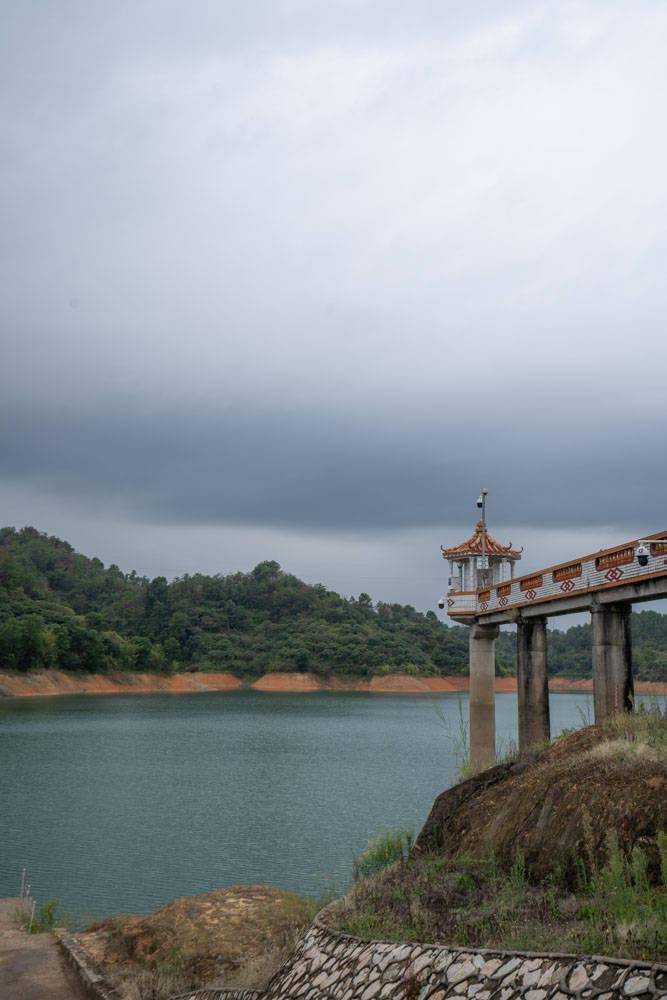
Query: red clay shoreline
[[54, 682]]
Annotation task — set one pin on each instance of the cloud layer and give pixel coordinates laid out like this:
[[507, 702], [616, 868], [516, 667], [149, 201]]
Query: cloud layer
[[329, 268]]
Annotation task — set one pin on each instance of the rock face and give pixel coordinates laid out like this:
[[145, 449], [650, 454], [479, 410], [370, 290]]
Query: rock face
[[543, 810], [210, 936], [331, 966]]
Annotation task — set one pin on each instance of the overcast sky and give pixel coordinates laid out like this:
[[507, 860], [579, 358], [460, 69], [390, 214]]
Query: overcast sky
[[293, 279]]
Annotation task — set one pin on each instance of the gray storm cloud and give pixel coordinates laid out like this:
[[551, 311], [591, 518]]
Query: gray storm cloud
[[331, 267]]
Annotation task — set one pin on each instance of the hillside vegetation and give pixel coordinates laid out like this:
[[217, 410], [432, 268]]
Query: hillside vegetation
[[61, 609]]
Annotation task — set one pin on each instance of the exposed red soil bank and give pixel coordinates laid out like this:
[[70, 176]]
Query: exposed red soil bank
[[423, 685], [54, 682], [51, 682]]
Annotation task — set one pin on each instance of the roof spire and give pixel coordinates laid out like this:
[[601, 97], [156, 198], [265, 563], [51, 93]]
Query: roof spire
[[474, 546]]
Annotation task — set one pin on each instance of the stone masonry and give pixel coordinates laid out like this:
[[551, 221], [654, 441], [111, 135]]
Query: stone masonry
[[330, 966]]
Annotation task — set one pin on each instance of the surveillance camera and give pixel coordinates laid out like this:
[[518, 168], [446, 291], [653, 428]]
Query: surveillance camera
[[441, 603], [480, 501], [642, 555]]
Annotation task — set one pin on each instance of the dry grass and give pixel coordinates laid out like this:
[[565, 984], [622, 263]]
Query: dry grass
[[645, 727], [137, 983], [640, 735]]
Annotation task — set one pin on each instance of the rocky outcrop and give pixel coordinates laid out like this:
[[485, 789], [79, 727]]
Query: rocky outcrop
[[558, 808]]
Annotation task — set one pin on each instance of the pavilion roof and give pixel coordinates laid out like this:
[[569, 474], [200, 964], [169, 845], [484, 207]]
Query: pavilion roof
[[473, 546]]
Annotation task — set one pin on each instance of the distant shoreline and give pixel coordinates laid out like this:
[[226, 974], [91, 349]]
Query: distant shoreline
[[55, 682]]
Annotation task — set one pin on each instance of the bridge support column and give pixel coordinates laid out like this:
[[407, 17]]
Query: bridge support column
[[613, 687], [483, 695], [532, 685]]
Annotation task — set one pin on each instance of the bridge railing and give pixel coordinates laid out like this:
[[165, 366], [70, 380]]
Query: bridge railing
[[606, 569]]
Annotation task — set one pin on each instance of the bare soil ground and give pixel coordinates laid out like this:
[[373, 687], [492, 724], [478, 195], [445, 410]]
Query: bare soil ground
[[232, 937], [32, 966]]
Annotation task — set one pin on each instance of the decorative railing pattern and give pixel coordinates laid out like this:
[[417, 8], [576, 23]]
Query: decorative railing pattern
[[570, 572], [599, 571], [620, 558]]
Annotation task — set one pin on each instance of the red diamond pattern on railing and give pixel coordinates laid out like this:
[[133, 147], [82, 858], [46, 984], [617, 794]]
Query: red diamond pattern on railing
[[566, 586], [531, 595], [613, 574]]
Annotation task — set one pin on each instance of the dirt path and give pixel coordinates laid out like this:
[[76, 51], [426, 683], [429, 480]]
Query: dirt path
[[31, 965]]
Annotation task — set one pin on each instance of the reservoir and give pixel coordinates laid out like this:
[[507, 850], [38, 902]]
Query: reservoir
[[118, 804]]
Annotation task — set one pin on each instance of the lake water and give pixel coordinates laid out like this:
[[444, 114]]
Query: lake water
[[119, 804]]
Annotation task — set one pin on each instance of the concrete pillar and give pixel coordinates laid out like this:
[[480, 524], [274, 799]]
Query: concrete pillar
[[483, 695], [613, 686], [532, 685]]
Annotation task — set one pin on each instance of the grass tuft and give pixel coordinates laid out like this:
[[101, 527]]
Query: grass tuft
[[385, 850]]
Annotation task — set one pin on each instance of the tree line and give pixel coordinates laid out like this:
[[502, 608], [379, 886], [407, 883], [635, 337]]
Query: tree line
[[62, 610]]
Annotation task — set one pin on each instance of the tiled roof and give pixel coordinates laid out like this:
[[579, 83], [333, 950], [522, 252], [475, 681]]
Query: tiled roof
[[473, 547]]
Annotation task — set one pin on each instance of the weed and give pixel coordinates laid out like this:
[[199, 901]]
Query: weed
[[623, 908], [476, 902], [517, 875], [385, 850], [647, 726], [46, 918]]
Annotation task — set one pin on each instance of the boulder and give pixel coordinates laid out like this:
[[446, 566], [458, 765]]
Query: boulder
[[557, 807]]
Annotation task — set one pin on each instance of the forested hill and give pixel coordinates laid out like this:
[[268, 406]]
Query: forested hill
[[61, 609]]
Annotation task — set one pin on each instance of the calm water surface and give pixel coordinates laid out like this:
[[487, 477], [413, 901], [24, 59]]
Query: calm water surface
[[119, 804]]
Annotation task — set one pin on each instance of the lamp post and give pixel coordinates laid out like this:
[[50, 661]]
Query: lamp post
[[481, 503]]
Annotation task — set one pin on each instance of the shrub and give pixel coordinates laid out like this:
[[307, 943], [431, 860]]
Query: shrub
[[46, 918]]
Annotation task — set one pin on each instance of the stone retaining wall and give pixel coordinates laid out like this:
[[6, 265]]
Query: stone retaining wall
[[85, 966], [330, 966]]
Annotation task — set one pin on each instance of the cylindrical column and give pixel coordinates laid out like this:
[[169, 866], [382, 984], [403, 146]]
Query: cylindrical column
[[532, 682], [483, 695], [613, 685]]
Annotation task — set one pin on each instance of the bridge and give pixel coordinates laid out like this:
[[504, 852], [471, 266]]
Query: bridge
[[484, 593]]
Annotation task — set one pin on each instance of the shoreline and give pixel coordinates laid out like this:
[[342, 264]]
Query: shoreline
[[54, 682]]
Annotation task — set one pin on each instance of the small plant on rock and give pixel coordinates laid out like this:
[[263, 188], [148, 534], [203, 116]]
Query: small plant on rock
[[385, 850]]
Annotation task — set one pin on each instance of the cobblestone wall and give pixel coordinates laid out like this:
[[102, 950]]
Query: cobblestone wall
[[338, 967], [330, 966]]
